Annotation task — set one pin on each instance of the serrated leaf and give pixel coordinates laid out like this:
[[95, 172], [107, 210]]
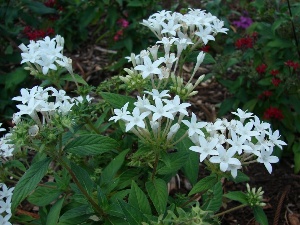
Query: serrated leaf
[[54, 212], [260, 215], [91, 144], [204, 184], [133, 216], [118, 101], [43, 196], [158, 193], [29, 181], [138, 199], [237, 196], [214, 202], [83, 177]]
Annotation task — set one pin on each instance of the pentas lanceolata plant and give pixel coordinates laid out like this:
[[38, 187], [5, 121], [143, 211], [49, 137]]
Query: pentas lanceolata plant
[[111, 158]]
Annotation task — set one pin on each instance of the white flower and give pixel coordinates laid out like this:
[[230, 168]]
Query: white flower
[[238, 143], [47, 62], [206, 148], [156, 94], [5, 206], [121, 114], [205, 34], [170, 28], [225, 158], [246, 130], [194, 126], [6, 192], [4, 220], [274, 138], [141, 102], [149, 68], [137, 119], [177, 107], [242, 114], [160, 110], [266, 158], [259, 126]]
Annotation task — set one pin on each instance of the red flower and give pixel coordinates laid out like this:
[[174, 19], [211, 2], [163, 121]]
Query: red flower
[[276, 81], [273, 113], [274, 72], [244, 43], [290, 63], [37, 34], [261, 68], [265, 94]]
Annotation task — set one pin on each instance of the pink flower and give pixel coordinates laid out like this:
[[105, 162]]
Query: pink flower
[[123, 23]]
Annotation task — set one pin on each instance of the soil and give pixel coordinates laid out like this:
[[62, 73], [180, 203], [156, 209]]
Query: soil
[[281, 188]]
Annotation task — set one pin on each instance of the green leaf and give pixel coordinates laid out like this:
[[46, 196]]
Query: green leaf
[[75, 215], [250, 105], [138, 199], [43, 196], [260, 215], [226, 106], [237, 196], [79, 79], [118, 101], [204, 184], [83, 177], [112, 168], [91, 144], [54, 212], [172, 162], [158, 193], [265, 82], [38, 7], [14, 78], [29, 181], [133, 216], [241, 177], [214, 200], [191, 165]]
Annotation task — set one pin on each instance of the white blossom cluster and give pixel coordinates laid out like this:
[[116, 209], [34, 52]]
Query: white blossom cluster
[[175, 32], [44, 55], [194, 26], [5, 204], [235, 143], [6, 148], [147, 117], [38, 101]]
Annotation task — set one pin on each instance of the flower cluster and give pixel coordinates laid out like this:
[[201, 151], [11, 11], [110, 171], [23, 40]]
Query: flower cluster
[[273, 113], [255, 196], [234, 143], [244, 22], [196, 25], [44, 55], [33, 34], [5, 204], [41, 104], [153, 118]]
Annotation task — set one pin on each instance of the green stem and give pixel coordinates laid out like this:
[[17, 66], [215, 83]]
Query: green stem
[[230, 210], [89, 123], [191, 199], [81, 188], [294, 30], [155, 166]]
